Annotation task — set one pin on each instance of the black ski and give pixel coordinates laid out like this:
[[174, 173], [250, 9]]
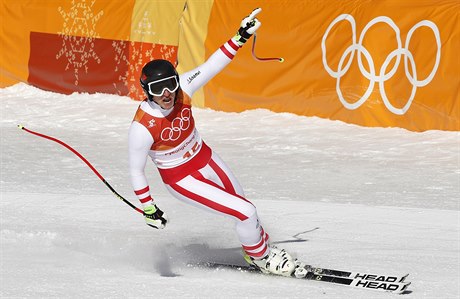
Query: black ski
[[360, 275], [374, 282], [389, 283]]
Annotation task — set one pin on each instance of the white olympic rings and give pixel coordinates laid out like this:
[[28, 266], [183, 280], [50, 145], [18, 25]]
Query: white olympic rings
[[178, 125], [383, 75]]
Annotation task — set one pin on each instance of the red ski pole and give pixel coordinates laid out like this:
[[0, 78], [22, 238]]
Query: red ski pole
[[87, 163], [280, 59]]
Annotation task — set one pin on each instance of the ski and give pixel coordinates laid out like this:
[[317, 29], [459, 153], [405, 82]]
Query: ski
[[360, 275], [324, 271], [388, 283], [395, 287]]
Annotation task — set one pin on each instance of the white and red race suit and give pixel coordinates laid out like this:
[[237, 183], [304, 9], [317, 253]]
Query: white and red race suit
[[190, 170]]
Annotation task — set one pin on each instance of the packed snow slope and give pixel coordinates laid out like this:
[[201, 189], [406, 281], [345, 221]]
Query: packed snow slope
[[335, 195]]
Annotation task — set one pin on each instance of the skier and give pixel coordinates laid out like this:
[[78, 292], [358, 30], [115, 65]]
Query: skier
[[164, 129]]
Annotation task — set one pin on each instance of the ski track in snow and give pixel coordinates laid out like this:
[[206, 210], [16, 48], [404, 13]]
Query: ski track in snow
[[335, 195]]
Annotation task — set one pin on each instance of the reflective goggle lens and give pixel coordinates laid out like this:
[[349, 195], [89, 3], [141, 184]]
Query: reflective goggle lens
[[157, 88]]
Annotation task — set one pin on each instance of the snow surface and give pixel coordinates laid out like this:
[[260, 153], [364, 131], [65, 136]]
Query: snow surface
[[333, 194]]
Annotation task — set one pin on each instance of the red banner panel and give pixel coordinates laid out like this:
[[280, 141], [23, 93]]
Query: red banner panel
[[68, 64]]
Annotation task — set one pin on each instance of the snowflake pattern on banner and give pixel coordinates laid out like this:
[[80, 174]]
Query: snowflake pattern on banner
[[78, 36], [80, 41]]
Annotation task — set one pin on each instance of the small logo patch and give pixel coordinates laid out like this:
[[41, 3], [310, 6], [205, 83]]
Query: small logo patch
[[151, 123]]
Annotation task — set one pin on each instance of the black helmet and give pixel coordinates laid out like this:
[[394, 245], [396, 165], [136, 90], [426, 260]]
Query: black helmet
[[158, 75]]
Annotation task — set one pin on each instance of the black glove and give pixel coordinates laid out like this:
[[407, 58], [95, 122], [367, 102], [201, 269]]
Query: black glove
[[155, 217], [249, 25]]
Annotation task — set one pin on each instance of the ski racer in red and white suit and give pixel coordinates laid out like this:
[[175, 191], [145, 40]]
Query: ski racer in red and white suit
[[164, 129]]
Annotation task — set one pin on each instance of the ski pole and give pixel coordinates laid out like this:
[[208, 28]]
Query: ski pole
[[280, 59], [87, 163]]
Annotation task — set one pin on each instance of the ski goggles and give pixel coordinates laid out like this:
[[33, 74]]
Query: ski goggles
[[158, 87]]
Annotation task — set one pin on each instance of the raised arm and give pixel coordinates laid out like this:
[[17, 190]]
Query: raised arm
[[192, 80]]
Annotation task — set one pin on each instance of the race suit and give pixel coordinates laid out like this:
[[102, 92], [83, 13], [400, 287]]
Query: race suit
[[190, 170]]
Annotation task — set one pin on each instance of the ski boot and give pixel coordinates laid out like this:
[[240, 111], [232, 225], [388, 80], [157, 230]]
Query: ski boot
[[277, 262]]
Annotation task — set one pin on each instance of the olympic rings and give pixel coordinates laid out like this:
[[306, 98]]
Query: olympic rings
[[382, 76], [178, 125]]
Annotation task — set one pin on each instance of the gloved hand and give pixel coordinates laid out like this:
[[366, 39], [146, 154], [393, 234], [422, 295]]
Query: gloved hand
[[249, 25], [155, 217]]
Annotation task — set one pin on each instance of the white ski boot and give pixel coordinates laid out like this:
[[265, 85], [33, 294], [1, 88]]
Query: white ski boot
[[277, 262]]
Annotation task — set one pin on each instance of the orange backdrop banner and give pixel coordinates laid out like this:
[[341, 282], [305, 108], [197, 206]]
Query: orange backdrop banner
[[86, 46], [387, 63], [383, 63]]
